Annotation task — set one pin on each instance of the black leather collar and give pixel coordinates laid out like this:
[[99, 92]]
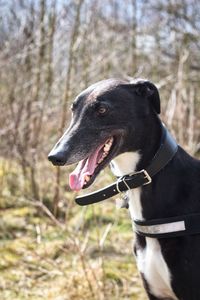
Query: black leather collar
[[165, 153]]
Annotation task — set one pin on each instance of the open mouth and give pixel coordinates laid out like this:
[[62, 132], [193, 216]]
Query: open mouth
[[87, 169]]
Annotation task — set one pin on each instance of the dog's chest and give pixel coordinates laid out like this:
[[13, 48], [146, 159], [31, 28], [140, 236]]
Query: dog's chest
[[152, 266], [150, 260]]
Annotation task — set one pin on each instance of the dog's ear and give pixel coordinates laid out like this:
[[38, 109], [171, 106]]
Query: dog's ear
[[149, 90]]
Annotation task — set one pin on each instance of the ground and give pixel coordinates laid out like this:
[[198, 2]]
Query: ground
[[87, 255]]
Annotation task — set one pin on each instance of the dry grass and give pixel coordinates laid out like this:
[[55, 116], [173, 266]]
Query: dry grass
[[86, 256]]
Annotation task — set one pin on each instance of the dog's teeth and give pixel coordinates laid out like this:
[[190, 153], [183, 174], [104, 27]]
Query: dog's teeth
[[111, 140], [106, 148], [108, 145], [87, 178], [101, 159]]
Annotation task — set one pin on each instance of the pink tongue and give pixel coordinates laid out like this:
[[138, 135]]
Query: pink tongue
[[84, 167]]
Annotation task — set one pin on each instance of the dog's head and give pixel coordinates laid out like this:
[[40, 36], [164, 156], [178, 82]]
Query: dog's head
[[105, 118]]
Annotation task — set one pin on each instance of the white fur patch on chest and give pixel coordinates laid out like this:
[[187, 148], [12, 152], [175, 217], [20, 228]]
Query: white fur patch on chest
[[152, 265], [125, 164], [150, 260]]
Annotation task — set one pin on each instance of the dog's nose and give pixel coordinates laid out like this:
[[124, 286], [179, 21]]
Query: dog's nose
[[57, 158]]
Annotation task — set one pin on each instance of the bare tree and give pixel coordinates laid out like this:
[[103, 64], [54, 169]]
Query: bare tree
[[50, 51]]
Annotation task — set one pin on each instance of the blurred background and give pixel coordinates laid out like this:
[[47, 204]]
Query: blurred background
[[50, 50]]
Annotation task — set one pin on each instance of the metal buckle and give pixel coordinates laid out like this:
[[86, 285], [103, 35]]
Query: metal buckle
[[123, 180], [146, 175], [123, 202]]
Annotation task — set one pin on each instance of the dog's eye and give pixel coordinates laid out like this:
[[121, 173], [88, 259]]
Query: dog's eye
[[102, 110]]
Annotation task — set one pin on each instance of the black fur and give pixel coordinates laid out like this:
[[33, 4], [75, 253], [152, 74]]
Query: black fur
[[132, 118]]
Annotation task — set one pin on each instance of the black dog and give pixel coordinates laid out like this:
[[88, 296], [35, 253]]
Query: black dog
[[118, 120]]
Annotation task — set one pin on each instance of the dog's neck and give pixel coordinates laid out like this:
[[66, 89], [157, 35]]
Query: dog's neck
[[130, 162], [125, 163], [150, 142], [136, 160]]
